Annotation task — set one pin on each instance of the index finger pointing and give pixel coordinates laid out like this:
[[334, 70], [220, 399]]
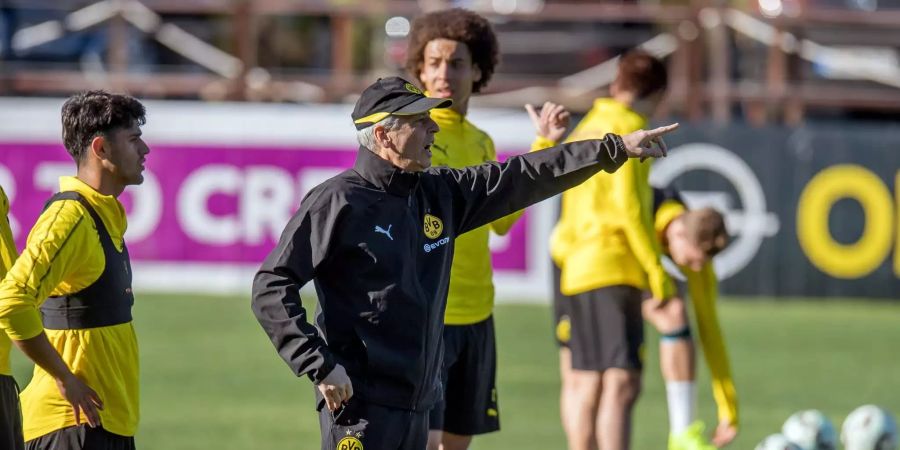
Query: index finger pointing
[[663, 130]]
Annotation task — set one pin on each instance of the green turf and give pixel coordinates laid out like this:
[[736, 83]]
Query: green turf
[[211, 379]]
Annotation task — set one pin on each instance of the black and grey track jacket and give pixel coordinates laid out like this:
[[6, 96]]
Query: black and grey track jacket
[[378, 243]]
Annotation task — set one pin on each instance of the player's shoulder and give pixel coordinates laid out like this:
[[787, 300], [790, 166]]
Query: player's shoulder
[[64, 210], [482, 142], [477, 133], [59, 220]]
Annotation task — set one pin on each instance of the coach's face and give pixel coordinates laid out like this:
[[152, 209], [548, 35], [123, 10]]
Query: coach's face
[[408, 146], [125, 154]]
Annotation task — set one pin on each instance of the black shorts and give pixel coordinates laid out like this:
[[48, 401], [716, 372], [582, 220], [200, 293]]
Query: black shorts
[[606, 328], [362, 425], [10, 415], [562, 323], [469, 402], [81, 437]]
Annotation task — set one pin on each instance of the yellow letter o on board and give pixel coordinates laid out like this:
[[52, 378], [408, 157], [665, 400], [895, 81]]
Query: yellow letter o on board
[[821, 193]]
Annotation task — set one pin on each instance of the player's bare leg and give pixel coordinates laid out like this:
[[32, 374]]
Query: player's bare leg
[[676, 349], [565, 387], [568, 395], [621, 388], [583, 407], [434, 439], [677, 363], [450, 441]]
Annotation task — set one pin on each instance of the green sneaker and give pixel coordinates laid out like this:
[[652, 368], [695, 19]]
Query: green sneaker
[[690, 439]]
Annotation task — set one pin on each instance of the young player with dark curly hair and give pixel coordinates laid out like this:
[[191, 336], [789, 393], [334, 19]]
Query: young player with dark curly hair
[[453, 53]]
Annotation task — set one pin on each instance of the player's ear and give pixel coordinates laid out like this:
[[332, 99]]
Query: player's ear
[[476, 73], [98, 147]]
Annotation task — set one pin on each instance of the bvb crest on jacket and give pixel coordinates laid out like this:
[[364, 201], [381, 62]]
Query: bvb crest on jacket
[[434, 227]]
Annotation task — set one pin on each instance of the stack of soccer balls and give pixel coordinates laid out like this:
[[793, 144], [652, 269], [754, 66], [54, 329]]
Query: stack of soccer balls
[[866, 428]]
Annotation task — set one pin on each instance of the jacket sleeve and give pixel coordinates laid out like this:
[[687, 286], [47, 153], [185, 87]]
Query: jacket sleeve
[[639, 229], [56, 248], [484, 193], [702, 287], [302, 248], [502, 225]]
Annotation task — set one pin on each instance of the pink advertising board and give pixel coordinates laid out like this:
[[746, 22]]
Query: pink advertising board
[[202, 204], [223, 179]]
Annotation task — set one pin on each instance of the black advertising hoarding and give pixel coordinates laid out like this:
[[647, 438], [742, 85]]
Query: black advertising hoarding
[[813, 211]]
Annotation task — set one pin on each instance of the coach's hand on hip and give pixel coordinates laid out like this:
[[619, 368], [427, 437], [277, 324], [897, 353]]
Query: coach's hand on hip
[[336, 388], [647, 143]]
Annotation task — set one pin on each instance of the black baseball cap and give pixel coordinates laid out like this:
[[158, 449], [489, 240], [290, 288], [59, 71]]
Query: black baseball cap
[[392, 96]]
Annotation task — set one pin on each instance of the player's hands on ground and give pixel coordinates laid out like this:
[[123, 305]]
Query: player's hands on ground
[[336, 388], [551, 122], [83, 399], [645, 144], [725, 433]]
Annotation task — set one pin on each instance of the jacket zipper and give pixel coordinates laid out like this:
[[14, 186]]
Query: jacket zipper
[[417, 393]]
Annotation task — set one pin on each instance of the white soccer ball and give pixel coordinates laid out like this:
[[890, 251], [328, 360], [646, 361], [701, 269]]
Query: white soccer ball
[[869, 428], [776, 442], [810, 430]]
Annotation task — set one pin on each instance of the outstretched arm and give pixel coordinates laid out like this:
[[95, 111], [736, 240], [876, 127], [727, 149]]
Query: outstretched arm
[[489, 191]]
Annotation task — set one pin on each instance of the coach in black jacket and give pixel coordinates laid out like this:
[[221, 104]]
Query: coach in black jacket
[[377, 241]]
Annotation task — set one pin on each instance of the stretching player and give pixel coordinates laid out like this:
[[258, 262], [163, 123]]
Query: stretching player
[[691, 239]]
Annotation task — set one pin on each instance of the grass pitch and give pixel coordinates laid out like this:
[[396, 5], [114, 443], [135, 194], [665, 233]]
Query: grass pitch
[[211, 379]]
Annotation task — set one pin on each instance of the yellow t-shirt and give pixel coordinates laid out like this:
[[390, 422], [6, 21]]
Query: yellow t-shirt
[[471, 297], [8, 256], [63, 255], [703, 291], [605, 235]]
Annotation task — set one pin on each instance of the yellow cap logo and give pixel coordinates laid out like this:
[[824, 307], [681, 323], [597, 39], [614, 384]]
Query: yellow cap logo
[[349, 443], [409, 87], [434, 227]]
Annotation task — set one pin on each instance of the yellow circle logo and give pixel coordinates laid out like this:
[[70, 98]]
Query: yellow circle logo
[[409, 87], [564, 330], [349, 443], [434, 227]]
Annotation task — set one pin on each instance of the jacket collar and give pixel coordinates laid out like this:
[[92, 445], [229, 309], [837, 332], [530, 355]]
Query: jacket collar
[[383, 174]]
